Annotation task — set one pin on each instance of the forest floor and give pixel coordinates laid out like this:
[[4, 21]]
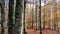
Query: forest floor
[[33, 31], [46, 31]]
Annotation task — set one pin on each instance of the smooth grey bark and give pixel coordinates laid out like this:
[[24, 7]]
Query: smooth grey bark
[[24, 27], [14, 7], [18, 17], [22, 22]]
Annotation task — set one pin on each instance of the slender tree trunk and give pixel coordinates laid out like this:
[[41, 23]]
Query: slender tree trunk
[[32, 17], [0, 11], [14, 7], [6, 8], [49, 26], [32, 14], [2, 16], [36, 15], [44, 22], [44, 15], [55, 15], [40, 17], [24, 29], [10, 16]]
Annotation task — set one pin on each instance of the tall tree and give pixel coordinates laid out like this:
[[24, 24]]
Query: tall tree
[[49, 17], [4, 15], [44, 14], [36, 15], [6, 8], [0, 13], [55, 14], [32, 16], [10, 16], [24, 29], [18, 16], [40, 17]]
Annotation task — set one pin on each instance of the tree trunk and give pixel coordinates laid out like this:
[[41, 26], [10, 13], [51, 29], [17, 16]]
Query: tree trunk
[[55, 15], [24, 27], [18, 16], [2, 16], [10, 16], [44, 15], [44, 22], [6, 8], [40, 17], [36, 16]]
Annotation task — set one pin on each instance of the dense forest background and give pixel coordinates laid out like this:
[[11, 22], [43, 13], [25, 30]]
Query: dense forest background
[[21, 16]]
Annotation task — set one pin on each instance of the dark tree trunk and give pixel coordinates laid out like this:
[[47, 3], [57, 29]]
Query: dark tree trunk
[[0, 14], [32, 17], [36, 15], [10, 16], [44, 22], [3, 17], [40, 17]]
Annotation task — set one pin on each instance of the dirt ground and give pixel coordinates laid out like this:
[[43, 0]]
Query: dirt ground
[[33, 31], [46, 31]]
